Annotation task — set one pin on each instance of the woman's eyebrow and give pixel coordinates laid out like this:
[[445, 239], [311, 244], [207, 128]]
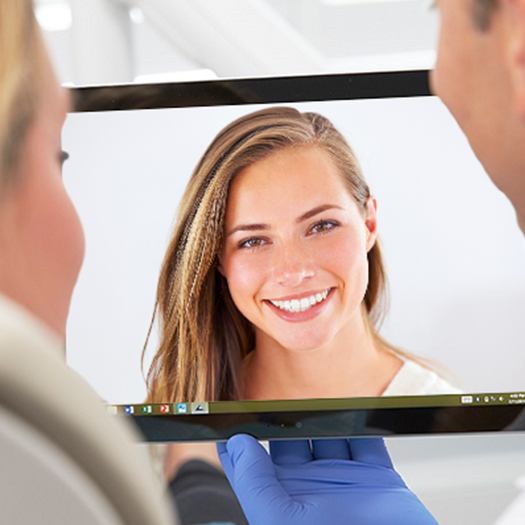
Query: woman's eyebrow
[[317, 210], [303, 217], [248, 228]]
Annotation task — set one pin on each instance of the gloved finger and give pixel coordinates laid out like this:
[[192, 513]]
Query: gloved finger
[[331, 449], [370, 450], [226, 463], [294, 452], [254, 479]]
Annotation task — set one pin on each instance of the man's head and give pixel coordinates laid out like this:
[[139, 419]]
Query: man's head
[[480, 76], [41, 241]]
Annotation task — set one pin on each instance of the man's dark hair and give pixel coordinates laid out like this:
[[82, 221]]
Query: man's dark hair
[[482, 11]]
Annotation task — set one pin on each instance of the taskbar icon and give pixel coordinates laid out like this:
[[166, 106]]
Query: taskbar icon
[[159, 409], [200, 408], [182, 408]]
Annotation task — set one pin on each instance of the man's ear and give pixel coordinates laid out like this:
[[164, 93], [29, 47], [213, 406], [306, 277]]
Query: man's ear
[[513, 19], [371, 222]]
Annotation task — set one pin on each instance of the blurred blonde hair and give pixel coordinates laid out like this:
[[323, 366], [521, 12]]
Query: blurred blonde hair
[[19, 52], [203, 336]]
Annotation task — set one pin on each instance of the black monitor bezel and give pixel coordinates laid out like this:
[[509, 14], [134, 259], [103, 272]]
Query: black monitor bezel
[[292, 424], [333, 423], [271, 90]]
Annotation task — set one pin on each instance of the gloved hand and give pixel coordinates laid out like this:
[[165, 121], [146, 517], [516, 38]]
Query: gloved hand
[[333, 482]]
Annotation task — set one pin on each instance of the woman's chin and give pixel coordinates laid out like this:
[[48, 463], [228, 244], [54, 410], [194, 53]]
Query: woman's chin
[[303, 344]]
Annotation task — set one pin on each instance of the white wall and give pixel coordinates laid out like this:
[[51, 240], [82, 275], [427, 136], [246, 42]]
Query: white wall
[[455, 256]]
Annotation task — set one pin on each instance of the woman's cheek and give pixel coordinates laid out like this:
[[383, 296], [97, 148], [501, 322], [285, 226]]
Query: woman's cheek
[[345, 258], [246, 275], [339, 253]]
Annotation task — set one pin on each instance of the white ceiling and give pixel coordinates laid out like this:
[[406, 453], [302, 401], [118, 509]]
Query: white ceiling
[[107, 41]]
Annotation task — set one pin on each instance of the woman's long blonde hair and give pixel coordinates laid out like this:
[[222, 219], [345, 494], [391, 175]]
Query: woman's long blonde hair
[[18, 87], [203, 337]]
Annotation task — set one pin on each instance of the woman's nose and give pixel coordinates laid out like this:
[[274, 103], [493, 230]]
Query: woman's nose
[[292, 267]]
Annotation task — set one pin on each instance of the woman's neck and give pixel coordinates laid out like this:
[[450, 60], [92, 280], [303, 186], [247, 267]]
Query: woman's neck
[[352, 364]]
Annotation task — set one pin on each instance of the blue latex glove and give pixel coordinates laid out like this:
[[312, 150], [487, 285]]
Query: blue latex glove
[[333, 482]]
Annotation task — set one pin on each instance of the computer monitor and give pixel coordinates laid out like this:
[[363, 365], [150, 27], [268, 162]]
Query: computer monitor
[[451, 340]]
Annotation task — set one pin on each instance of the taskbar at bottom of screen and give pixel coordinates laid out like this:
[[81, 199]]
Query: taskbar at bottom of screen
[[296, 405]]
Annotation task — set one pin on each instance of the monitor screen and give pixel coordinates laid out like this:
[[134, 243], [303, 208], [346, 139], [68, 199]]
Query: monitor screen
[[326, 254]]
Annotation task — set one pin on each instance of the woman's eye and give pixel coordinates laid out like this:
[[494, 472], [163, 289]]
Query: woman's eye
[[323, 226], [253, 242]]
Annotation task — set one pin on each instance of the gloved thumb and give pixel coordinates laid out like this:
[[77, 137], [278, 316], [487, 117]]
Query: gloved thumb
[[252, 475]]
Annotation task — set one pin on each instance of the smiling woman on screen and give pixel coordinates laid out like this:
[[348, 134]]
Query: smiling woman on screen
[[273, 284]]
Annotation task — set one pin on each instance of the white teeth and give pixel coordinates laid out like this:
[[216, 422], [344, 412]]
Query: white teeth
[[301, 305], [305, 303]]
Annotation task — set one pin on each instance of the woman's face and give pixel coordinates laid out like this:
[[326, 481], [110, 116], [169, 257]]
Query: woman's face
[[295, 252]]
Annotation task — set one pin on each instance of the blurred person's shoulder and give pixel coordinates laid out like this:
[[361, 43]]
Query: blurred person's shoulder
[[38, 387], [35, 380], [18, 329]]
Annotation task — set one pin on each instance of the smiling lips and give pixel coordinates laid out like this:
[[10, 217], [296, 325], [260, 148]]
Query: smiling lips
[[300, 308], [303, 304]]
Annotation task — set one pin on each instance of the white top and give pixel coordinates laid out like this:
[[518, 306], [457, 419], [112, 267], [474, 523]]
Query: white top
[[412, 379]]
